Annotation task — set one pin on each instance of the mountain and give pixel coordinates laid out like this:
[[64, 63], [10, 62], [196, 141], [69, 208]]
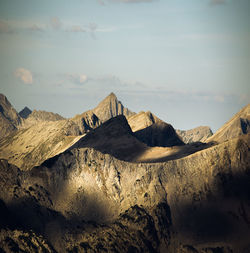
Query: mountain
[[110, 107], [152, 131], [198, 134], [25, 112], [32, 145], [238, 125], [9, 118], [83, 200], [113, 137], [86, 121]]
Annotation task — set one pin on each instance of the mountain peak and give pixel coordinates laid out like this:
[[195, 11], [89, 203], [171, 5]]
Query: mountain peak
[[110, 107]]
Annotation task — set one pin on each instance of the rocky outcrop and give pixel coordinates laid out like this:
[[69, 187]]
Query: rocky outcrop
[[25, 112], [198, 134], [110, 107], [238, 125], [152, 131], [86, 121], [9, 118]]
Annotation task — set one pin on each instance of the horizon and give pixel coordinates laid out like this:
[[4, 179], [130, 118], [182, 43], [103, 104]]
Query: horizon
[[187, 63]]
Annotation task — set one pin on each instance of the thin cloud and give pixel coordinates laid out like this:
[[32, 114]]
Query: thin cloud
[[55, 23], [36, 28], [4, 27], [76, 29], [78, 79], [24, 75]]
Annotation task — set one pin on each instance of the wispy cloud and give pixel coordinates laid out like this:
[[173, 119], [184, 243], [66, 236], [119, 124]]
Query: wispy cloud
[[24, 75], [56, 23], [36, 28], [78, 79], [4, 27], [76, 29]]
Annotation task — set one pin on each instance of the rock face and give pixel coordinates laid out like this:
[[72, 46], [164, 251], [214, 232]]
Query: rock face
[[86, 121], [85, 200], [113, 137], [152, 131], [32, 145], [110, 107], [238, 125], [9, 118], [198, 134], [25, 112]]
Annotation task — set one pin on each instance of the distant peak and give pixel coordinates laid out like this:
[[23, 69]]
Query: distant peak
[[112, 95]]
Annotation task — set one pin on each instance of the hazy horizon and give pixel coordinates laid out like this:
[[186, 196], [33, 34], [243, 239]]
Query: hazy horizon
[[188, 63]]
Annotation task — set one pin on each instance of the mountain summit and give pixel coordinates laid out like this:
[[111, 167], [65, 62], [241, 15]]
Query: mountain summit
[[110, 107]]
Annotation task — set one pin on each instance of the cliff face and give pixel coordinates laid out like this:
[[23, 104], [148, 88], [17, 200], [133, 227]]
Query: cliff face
[[9, 118], [198, 134], [201, 200]]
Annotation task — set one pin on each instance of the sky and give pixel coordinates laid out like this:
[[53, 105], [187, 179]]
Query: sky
[[188, 62]]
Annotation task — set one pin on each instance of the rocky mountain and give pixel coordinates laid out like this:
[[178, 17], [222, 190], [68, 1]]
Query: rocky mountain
[[9, 118], [82, 200], [198, 134], [86, 121], [32, 145], [25, 112], [238, 125], [110, 107], [152, 131]]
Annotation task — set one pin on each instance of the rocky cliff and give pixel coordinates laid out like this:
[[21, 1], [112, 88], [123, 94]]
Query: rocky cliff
[[25, 112], [198, 134], [85, 200], [9, 118]]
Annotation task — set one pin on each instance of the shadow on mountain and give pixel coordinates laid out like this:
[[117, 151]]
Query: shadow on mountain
[[221, 218]]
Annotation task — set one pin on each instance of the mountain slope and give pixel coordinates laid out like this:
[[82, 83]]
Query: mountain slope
[[110, 107], [238, 125], [9, 118], [83, 199], [152, 131], [25, 112], [32, 145], [201, 133]]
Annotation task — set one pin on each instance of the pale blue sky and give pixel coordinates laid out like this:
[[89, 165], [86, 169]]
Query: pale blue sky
[[186, 61]]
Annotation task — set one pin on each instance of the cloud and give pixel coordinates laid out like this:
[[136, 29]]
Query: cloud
[[77, 78], [217, 2], [76, 29], [4, 27], [24, 75], [55, 23], [36, 28]]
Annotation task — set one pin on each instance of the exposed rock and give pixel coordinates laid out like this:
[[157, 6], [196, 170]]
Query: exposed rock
[[198, 134], [152, 131], [238, 125], [25, 112], [32, 145], [9, 118], [113, 137], [86, 121], [110, 107]]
